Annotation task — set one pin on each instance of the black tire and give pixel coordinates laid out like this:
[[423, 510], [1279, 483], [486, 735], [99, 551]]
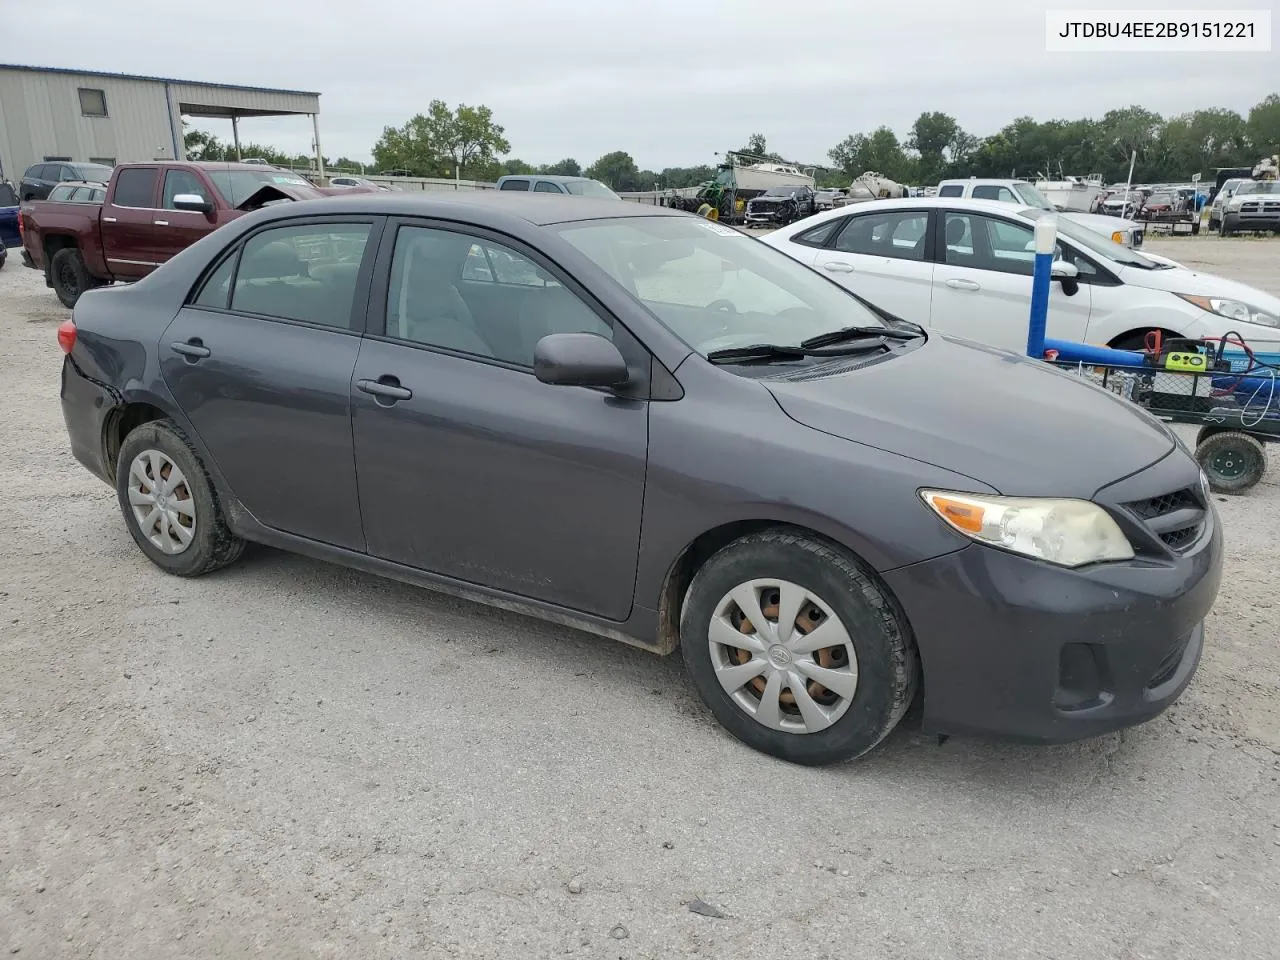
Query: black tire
[[887, 663], [1213, 225], [69, 275], [1195, 229], [1233, 461], [212, 545], [1224, 231]]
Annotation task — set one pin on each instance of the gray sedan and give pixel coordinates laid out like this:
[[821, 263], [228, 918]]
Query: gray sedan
[[652, 427]]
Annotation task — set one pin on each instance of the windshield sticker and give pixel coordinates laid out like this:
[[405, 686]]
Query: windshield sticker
[[723, 231], [296, 180]]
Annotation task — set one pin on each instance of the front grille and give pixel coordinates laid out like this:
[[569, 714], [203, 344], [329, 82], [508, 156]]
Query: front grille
[[1261, 206], [1169, 665], [1176, 518]]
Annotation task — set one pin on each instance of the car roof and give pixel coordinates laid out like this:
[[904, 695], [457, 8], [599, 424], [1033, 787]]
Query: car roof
[[479, 206], [926, 203], [553, 177]]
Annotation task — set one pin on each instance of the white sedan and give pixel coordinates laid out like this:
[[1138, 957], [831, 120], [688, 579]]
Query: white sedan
[[964, 267]]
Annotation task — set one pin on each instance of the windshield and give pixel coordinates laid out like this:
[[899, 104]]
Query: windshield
[[1097, 243], [590, 188], [713, 286], [237, 186], [1258, 186], [94, 172], [1031, 196], [780, 192]]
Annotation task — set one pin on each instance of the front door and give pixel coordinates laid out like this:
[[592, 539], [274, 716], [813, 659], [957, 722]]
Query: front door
[[175, 229], [469, 466], [881, 256], [263, 374], [128, 222], [982, 284]]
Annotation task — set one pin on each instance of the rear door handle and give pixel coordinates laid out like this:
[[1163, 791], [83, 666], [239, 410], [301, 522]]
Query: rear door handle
[[193, 349], [957, 284], [386, 387], [161, 223], [838, 266]]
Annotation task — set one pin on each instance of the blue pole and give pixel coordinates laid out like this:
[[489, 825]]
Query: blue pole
[[1040, 281], [1046, 239]]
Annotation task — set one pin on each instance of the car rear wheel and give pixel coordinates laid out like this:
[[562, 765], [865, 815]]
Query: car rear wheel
[[69, 275], [169, 503], [798, 652]]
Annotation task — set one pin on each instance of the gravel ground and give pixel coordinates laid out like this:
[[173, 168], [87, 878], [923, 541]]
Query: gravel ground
[[289, 759]]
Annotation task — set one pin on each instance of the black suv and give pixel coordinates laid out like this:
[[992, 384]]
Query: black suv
[[40, 178]]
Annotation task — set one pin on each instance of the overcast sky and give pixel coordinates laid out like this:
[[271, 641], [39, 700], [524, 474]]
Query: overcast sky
[[669, 81]]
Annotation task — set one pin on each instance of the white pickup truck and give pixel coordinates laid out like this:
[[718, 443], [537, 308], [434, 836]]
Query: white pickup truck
[[1118, 230]]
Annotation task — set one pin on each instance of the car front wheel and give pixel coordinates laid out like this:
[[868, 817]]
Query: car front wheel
[[169, 503], [796, 649]]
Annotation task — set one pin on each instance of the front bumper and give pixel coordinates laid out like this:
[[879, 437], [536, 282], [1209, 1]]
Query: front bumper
[[1023, 650], [1252, 221], [86, 405]]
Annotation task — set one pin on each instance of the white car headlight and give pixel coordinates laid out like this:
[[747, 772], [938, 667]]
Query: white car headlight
[[1070, 533], [1235, 310]]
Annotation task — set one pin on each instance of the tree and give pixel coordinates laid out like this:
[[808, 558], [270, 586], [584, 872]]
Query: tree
[[411, 148], [880, 153], [568, 167], [617, 169], [1264, 127], [516, 168], [467, 136]]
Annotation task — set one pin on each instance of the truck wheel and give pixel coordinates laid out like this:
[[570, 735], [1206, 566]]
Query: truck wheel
[[1213, 224], [69, 275], [1233, 461], [1195, 228]]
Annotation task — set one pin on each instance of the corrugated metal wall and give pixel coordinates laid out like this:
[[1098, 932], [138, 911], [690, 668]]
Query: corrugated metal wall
[[40, 116]]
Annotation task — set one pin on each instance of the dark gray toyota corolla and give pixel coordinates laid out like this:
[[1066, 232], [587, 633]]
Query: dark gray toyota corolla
[[652, 427]]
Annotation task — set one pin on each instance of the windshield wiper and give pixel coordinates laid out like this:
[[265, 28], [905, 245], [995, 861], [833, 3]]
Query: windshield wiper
[[778, 351], [845, 334]]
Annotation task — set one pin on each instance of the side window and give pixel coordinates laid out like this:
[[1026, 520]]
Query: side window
[[545, 186], [82, 194], [60, 193], [181, 181], [953, 190], [306, 273], [986, 243], [217, 286], [897, 235], [456, 292], [991, 191], [135, 187], [68, 173], [818, 236], [515, 185]]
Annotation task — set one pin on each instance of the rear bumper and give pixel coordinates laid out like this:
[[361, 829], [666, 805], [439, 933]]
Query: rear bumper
[[86, 405], [1026, 651]]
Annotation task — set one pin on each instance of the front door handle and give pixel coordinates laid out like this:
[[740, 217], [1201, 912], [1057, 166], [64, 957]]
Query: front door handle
[[838, 266], [193, 349], [386, 387], [161, 223], [957, 284]]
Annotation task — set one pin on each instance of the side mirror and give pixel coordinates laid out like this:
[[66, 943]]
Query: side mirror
[[193, 203], [578, 360], [1066, 274]]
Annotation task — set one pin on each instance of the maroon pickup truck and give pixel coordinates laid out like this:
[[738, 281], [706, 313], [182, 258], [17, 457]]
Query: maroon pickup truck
[[152, 212]]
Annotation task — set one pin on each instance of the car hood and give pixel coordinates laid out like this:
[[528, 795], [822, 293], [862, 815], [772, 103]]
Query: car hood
[[1099, 223], [1015, 424], [1181, 279]]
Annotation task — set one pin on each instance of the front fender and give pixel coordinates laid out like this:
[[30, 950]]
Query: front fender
[[1103, 330]]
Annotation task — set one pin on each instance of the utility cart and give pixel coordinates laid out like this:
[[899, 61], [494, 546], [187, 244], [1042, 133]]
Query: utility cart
[[1234, 401]]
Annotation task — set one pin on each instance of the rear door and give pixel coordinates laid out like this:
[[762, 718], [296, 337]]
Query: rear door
[[982, 284], [260, 361], [128, 222], [882, 256]]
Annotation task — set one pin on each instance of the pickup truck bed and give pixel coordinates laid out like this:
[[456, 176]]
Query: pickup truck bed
[[152, 212]]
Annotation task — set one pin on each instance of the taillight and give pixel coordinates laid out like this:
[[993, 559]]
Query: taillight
[[67, 335]]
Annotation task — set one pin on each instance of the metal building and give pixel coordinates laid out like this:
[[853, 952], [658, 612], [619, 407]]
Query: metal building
[[50, 113]]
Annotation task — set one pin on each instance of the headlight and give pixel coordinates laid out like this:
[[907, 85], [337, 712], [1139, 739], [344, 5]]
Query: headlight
[[1235, 310], [1070, 533]]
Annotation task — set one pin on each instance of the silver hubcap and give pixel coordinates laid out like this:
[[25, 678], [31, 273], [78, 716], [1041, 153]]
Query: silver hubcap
[[161, 502], [783, 655]]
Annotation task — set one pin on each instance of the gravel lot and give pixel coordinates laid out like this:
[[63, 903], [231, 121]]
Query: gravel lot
[[288, 759]]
